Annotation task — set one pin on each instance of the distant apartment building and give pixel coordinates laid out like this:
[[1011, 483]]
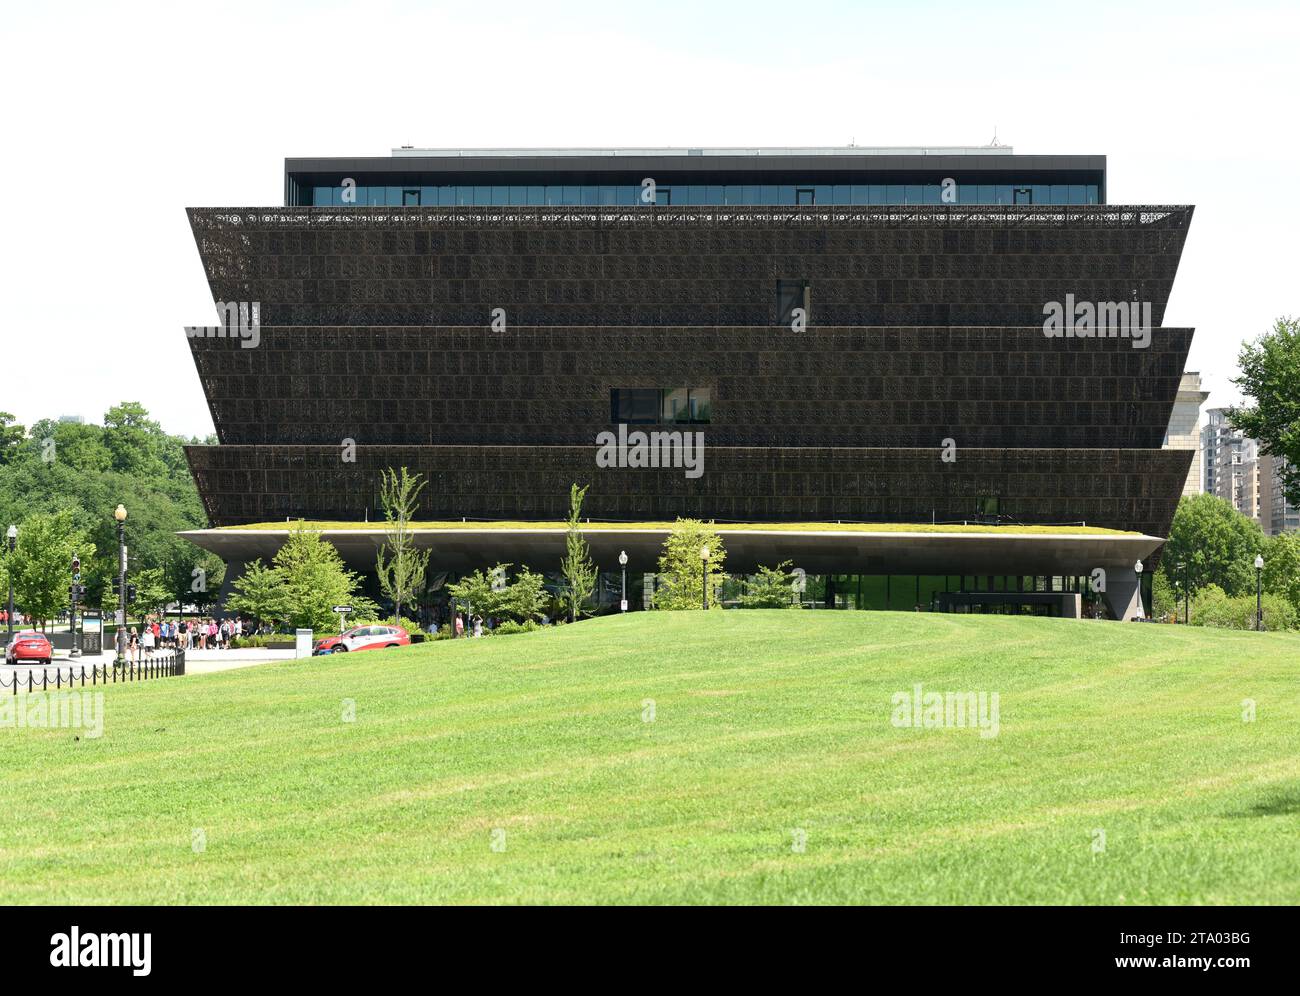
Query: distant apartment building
[[1235, 470], [1182, 433], [1280, 514]]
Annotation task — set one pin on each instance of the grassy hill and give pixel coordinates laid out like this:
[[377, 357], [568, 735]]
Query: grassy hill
[[765, 725]]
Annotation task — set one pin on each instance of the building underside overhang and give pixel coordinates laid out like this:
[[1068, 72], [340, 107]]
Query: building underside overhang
[[460, 550]]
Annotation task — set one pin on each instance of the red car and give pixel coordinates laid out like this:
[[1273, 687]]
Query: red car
[[29, 646], [375, 637]]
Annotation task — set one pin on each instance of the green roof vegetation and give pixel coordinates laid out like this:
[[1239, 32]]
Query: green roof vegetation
[[679, 757], [856, 527]]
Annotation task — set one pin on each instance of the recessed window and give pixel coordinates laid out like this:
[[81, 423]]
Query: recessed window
[[805, 196], [660, 406], [411, 198], [1023, 195], [791, 294]]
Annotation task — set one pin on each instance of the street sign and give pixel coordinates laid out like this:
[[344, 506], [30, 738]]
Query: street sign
[[622, 606], [342, 609]]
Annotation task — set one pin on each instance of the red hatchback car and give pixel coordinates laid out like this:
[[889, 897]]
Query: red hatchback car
[[29, 646], [375, 637]]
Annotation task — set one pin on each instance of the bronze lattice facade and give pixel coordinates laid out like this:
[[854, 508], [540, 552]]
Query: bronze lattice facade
[[924, 323]]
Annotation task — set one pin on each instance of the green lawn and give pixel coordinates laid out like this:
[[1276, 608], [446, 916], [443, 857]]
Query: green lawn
[[765, 723]]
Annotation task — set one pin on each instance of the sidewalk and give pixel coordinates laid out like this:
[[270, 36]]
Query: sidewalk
[[210, 661]]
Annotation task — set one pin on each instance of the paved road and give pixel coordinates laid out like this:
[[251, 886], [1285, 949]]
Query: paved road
[[196, 662]]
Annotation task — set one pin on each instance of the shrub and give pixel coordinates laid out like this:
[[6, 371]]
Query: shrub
[[510, 626], [1211, 607], [771, 588]]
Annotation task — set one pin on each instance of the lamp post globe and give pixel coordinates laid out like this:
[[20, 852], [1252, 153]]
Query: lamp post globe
[[1137, 569]]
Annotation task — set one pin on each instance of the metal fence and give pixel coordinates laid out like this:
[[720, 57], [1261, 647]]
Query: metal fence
[[164, 665]]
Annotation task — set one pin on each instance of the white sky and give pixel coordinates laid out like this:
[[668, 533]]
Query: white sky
[[118, 116]]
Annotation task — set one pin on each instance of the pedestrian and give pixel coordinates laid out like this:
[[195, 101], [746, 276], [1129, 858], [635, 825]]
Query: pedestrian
[[132, 644], [478, 626], [460, 625], [148, 640]]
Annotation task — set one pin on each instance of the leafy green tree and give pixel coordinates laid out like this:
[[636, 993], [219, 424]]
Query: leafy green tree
[[151, 592], [259, 594], [312, 579], [1270, 377], [525, 597], [1282, 567], [401, 568], [682, 572], [1210, 542], [490, 595], [133, 439], [11, 437], [770, 588], [482, 592], [41, 565], [579, 572]]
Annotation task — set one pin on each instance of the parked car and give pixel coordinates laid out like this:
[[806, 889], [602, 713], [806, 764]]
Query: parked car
[[28, 646], [363, 638]]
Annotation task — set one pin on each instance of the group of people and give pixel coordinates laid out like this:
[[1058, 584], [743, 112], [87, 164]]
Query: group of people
[[184, 634], [476, 624]]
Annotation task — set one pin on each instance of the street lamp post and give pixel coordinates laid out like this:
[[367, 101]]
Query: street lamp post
[[13, 540], [704, 574], [1137, 568], [1259, 592], [119, 514], [622, 562]]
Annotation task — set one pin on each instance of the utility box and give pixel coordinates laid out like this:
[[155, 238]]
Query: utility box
[[302, 643]]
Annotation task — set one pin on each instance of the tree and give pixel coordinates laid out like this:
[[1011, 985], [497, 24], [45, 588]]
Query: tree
[[41, 565], [1270, 376], [771, 588], [312, 580], [152, 592], [578, 570], [526, 597], [1166, 594], [489, 595], [259, 594], [11, 437], [400, 566], [1282, 567], [1210, 542], [483, 593], [682, 572], [133, 439]]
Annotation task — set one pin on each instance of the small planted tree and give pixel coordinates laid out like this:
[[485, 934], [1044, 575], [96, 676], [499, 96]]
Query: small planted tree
[[771, 588], [313, 579], [40, 564], [683, 572], [259, 594], [526, 597], [402, 569], [578, 570]]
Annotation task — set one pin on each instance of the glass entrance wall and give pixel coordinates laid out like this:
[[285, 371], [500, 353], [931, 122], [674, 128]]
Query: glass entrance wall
[[912, 592]]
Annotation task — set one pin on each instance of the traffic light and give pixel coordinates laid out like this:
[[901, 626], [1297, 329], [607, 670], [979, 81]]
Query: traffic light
[[76, 565], [130, 592]]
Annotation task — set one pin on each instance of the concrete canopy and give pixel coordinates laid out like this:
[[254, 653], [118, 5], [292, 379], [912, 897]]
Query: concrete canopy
[[460, 550]]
